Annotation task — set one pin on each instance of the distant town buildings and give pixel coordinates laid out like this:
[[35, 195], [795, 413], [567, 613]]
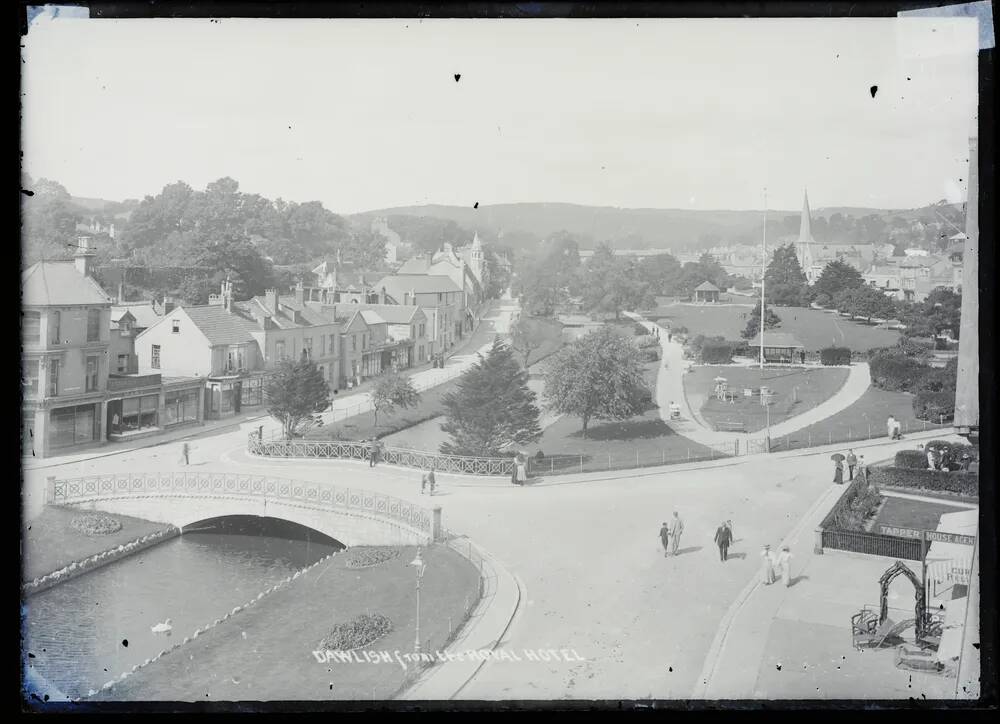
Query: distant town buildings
[[813, 256]]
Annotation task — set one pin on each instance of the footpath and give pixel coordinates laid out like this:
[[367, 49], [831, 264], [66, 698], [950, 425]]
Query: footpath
[[795, 642], [670, 389]]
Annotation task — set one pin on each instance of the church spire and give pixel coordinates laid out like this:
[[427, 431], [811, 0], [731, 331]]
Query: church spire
[[805, 235]]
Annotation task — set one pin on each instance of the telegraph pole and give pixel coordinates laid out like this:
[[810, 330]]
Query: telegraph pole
[[763, 271]]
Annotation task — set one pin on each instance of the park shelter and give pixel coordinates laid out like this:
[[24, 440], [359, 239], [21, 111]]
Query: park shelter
[[779, 347], [706, 292]]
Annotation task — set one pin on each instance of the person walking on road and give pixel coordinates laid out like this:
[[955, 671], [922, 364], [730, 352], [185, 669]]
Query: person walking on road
[[520, 470], [431, 481], [838, 472], [186, 453], [767, 565], [675, 533], [723, 537], [852, 463], [665, 538], [372, 452], [784, 566], [732, 533]]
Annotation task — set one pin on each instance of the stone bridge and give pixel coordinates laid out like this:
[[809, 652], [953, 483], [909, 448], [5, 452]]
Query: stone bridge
[[351, 516]]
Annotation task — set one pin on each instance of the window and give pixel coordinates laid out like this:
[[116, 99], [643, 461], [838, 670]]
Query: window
[[180, 407], [236, 358], [354, 343], [93, 325], [123, 362], [439, 297], [53, 377], [332, 347], [139, 412], [92, 370], [155, 357], [73, 425], [54, 323], [175, 326], [308, 347], [279, 349], [32, 326], [364, 340], [31, 377], [322, 345]]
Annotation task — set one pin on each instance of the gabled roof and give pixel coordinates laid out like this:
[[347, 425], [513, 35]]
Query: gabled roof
[[777, 339], [707, 287], [220, 326], [416, 265], [387, 313], [398, 284], [142, 312], [58, 283]]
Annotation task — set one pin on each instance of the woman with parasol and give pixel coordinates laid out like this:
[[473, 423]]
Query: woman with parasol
[[838, 471]]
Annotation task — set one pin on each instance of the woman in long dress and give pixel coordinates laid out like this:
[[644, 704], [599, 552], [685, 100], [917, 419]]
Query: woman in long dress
[[785, 565], [838, 472], [767, 566], [520, 470]]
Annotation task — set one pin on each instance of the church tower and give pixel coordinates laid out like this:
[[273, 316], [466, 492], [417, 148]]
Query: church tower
[[802, 246]]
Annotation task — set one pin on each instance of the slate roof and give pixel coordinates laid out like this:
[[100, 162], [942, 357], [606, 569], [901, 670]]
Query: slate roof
[[707, 287], [58, 283], [220, 326], [143, 313], [397, 285]]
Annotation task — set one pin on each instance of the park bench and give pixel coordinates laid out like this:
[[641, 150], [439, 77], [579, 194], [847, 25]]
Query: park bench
[[731, 427]]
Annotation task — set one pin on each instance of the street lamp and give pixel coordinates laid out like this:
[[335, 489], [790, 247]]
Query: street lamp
[[420, 566]]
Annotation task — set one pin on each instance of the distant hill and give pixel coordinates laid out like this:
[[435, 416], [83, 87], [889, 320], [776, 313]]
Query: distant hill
[[90, 204], [624, 228]]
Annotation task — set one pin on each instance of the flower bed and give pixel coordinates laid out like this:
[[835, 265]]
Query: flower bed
[[368, 556], [94, 524], [362, 631], [961, 483]]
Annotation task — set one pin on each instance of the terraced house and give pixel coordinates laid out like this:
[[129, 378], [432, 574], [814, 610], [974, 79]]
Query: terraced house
[[441, 299]]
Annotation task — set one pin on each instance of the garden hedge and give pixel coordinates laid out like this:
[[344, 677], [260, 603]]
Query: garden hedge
[[911, 459], [716, 352], [931, 480], [896, 371], [835, 355], [931, 406]]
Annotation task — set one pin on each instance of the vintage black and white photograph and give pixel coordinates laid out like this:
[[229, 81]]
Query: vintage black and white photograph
[[373, 361]]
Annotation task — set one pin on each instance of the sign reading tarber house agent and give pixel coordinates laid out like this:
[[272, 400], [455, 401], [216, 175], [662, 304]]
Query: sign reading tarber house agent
[[931, 535]]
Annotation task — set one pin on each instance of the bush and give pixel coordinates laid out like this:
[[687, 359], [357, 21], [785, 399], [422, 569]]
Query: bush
[[934, 406], [858, 510], [911, 459], [96, 524], [896, 372], [961, 483], [368, 556], [823, 299], [362, 631], [716, 352], [638, 330], [650, 354], [835, 355]]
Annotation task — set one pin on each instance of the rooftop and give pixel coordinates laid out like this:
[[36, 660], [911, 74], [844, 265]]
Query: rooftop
[[58, 283], [778, 339], [397, 284], [143, 313], [707, 287], [220, 326]]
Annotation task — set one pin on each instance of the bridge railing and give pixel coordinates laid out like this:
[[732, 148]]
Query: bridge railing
[[201, 485], [359, 450]]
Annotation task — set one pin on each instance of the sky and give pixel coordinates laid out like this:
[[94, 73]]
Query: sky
[[367, 114]]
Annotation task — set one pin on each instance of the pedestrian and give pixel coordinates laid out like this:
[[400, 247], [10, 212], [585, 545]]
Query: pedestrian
[[423, 483], [260, 433], [521, 470], [784, 565], [431, 481], [670, 336], [732, 532], [513, 471], [896, 433], [890, 426], [185, 453], [665, 538], [852, 462], [372, 452], [675, 533], [767, 565], [931, 460], [838, 472], [802, 356], [723, 537]]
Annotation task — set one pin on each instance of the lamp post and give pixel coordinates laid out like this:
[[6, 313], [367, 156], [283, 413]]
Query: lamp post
[[420, 566], [763, 273]]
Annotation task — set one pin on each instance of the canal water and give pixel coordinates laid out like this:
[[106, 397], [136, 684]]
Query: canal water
[[87, 631]]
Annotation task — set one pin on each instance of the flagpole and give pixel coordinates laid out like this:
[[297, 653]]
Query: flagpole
[[763, 271]]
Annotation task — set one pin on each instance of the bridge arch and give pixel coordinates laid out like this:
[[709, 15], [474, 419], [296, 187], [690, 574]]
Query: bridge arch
[[350, 515]]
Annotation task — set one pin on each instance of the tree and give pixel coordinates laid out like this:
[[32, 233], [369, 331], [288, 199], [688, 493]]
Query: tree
[[610, 284], [392, 390], [784, 282], [599, 376], [771, 320], [544, 278], [662, 273], [866, 302], [295, 393], [491, 407], [940, 311], [50, 219], [527, 335], [837, 276]]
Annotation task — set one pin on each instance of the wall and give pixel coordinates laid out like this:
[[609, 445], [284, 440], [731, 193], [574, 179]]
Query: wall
[[185, 353]]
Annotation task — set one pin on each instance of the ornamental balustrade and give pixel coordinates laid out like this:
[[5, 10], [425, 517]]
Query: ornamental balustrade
[[357, 450], [201, 486]]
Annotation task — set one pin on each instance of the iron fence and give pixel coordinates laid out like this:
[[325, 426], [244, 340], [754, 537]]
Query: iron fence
[[809, 438], [874, 544], [195, 486], [622, 460]]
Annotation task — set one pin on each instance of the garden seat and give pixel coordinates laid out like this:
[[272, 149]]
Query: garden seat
[[915, 659]]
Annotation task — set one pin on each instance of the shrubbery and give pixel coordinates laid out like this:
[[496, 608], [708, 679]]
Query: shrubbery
[[368, 556], [896, 371], [961, 483], [717, 352], [362, 631], [858, 510], [650, 354], [96, 524], [835, 355], [935, 407], [911, 459]]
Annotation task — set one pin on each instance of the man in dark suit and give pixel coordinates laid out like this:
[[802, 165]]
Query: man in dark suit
[[665, 539], [723, 537]]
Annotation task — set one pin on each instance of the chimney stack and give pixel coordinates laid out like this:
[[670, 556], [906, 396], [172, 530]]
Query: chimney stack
[[413, 297], [381, 296], [168, 305], [271, 300], [227, 295], [300, 292], [84, 256]]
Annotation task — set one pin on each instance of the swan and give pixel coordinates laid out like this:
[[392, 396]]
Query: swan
[[161, 627]]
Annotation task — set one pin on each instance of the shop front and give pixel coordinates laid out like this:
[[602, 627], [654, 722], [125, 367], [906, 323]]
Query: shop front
[[74, 425], [227, 396], [134, 414]]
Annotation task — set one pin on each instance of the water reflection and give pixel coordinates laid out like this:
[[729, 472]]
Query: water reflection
[[91, 629]]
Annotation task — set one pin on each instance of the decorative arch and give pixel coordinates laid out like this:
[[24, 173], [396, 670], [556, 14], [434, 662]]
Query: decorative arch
[[887, 578]]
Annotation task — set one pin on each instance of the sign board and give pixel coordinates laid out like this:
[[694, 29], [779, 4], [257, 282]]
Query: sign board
[[932, 535]]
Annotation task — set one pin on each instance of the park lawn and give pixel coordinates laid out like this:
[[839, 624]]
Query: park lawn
[[813, 328], [51, 543], [641, 440], [275, 661], [795, 390], [906, 513], [862, 420]]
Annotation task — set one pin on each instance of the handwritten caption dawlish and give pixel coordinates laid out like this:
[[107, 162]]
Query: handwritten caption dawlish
[[404, 658]]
